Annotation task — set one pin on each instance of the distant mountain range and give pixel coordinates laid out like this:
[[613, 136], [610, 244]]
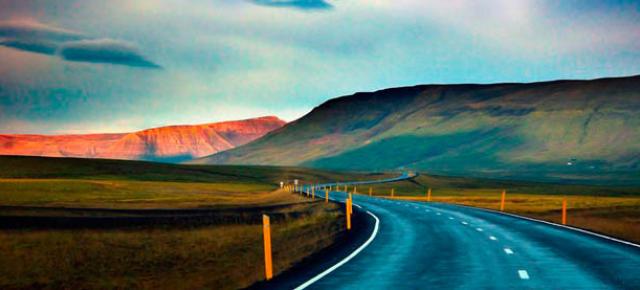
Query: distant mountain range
[[588, 130], [167, 144]]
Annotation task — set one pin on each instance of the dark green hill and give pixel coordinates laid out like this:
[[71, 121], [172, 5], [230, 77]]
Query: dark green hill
[[560, 130], [29, 167]]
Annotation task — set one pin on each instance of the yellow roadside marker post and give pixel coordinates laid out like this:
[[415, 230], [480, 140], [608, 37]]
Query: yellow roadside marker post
[[355, 190], [347, 206], [564, 211], [326, 196], [392, 192], [370, 190], [429, 194], [313, 193], [350, 204], [504, 196], [266, 230]]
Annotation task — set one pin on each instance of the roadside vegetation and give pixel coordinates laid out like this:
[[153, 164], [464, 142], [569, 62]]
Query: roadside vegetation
[[218, 252], [214, 257], [611, 210]]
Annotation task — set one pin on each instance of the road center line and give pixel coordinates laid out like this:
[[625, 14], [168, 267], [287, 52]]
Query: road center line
[[523, 274]]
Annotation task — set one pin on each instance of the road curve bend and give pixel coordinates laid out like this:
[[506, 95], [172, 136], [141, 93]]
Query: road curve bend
[[422, 245]]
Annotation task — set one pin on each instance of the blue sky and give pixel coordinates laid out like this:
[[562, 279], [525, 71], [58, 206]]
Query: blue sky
[[117, 66]]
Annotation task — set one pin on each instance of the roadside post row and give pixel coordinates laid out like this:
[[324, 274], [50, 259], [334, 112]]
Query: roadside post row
[[310, 192]]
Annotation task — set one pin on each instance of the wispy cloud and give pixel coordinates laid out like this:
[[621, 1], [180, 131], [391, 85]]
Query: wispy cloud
[[32, 45], [33, 30], [105, 51], [297, 4], [33, 36]]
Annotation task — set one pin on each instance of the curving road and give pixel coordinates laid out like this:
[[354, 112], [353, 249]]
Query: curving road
[[442, 246]]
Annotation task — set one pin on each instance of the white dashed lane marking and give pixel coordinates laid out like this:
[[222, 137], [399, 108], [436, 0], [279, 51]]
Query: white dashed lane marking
[[492, 238], [465, 223], [508, 251], [450, 218], [523, 274], [478, 229]]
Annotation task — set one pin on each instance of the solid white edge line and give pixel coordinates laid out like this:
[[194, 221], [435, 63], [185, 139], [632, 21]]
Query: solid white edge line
[[553, 224], [345, 260]]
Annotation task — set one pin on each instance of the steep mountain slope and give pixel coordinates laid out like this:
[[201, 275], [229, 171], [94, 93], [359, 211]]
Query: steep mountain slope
[[559, 129], [171, 144]]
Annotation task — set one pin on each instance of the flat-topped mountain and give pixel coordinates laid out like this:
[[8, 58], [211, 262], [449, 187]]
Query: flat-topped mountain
[[558, 130], [171, 144]]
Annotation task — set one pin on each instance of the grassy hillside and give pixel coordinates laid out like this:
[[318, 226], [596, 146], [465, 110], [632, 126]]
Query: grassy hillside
[[26, 167], [561, 130]]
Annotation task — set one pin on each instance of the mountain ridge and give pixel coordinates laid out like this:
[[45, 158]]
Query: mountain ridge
[[532, 130], [173, 143]]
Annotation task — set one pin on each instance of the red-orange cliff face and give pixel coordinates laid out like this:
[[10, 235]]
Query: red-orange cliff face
[[172, 143]]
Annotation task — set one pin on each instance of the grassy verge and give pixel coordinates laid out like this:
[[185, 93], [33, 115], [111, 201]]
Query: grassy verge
[[614, 211], [219, 257]]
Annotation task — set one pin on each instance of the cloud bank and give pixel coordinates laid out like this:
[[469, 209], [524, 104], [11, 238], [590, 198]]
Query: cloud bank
[[33, 36]]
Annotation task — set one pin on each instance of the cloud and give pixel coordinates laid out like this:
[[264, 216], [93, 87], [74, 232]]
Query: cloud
[[34, 30], [105, 51], [33, 36], [297, 4], [32, 45]]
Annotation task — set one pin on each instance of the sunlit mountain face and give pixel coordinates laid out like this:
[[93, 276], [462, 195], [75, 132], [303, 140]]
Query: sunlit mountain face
[[71, 67], [167, 144]]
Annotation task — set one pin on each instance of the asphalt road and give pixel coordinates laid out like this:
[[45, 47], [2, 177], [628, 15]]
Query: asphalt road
[[422, 245]]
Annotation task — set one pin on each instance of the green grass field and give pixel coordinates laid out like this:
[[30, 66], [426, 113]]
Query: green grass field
[[220, 256]]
